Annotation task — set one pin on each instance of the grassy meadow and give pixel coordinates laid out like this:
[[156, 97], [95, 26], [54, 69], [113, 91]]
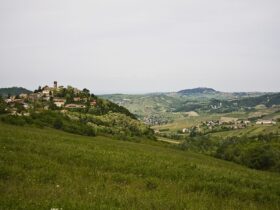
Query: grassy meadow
[[50, 169]]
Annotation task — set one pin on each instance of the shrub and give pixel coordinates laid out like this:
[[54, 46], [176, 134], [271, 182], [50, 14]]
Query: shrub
[[58, 123], [261, 157], [258, 153], [14, 120]]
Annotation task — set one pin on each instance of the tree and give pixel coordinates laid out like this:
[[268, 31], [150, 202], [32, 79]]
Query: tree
[[193, 132], [86, 92], [38, 90], [3, 106], [261, 157], [58, 123], [69, 98], [52, 106], [20, 108]]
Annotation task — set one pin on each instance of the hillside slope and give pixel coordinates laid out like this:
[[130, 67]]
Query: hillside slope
[[196, 91], [4, 92], [72, 110], [45, 169]]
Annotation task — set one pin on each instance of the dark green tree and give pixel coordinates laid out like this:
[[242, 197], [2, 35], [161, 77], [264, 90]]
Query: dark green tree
[[20, 108], [3, 106], [58, 124]]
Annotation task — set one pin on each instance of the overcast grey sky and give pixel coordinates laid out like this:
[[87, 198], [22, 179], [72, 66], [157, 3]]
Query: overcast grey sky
[[131, 46]]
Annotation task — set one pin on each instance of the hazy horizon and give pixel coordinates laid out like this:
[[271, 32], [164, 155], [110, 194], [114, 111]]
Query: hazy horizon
[[137, 93], [141, 46]]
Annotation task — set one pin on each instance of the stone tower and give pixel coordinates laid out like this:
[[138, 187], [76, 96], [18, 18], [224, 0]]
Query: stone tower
[[55, 84]]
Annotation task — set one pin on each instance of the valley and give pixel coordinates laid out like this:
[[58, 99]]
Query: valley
[[139, 105], [239, 127], [65, 148]]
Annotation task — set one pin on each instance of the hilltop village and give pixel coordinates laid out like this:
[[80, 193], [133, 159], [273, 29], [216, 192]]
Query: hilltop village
[[71, 110], [55, 97]]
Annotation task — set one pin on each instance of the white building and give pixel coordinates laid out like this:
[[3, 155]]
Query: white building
[[23, 95], [265, 122], [185, 130], [59, 102], [46, 92]]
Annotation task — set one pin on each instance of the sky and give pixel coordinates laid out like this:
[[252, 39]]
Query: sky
[[130, 46]]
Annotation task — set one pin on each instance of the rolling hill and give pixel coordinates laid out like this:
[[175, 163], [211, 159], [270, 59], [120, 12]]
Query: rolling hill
[[50, 169], [161, 108], [197, 91], [4, 92]]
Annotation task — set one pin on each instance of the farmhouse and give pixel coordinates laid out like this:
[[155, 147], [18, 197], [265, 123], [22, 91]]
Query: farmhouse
[[8, 100], [23, 95], [59, 102], [185, 130], [26, 105]]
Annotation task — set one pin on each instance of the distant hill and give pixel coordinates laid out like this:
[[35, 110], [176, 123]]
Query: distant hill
[[245, 103], [4, 92], [229, 105], [199, 90], [268, 100], [167, 107]]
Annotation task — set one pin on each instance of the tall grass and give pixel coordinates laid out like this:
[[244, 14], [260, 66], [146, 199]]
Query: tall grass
[[46, 168]]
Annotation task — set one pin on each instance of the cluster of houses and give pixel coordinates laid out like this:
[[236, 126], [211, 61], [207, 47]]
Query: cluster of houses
[[228, 122], [266, 122], [61, 102], [154, 120], [13, 101], [46, 94]]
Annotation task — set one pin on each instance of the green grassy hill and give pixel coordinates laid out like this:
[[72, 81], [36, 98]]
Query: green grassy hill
[[150, 108], [46, 168], [4, 92]]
